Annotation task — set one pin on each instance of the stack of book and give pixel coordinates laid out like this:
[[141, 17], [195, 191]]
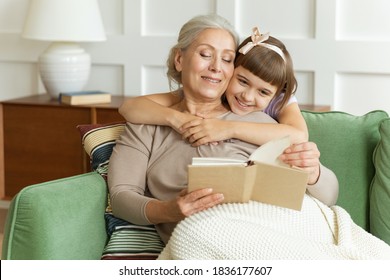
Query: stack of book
[[85, 97]]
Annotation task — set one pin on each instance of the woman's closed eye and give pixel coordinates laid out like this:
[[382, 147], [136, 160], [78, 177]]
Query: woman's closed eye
[[227, 59], [205, 55]]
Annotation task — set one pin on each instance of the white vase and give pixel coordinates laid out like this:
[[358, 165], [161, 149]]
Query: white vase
[[64, 67]]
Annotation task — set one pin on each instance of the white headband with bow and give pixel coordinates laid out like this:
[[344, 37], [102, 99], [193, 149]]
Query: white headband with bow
[[257, 40]]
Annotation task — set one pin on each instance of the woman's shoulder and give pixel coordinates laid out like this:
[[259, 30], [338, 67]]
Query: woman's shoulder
[[258, 116]]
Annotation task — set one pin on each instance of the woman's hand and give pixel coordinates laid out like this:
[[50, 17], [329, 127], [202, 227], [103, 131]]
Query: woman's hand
[[205, 131], [306, 156], [187, 204]]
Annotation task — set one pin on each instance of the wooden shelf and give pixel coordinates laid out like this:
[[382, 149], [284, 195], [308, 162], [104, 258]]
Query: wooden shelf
[[40, 141], [315, 108]]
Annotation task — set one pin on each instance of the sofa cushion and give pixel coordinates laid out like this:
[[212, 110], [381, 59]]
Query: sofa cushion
[[346, 143], [131, 242], [380, 188], [126, 241], [98, 141], [44, 225]]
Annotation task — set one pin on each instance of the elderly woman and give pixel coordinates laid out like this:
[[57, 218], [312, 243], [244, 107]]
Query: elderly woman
[[148, 168]]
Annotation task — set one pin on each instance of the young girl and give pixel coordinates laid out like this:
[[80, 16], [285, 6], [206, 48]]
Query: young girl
[[263, 79]]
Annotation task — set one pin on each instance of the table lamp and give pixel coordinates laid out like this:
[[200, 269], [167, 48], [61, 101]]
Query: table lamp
[[64, 66]]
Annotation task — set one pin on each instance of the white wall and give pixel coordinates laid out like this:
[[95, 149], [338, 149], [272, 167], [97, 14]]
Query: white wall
[[340, 48]]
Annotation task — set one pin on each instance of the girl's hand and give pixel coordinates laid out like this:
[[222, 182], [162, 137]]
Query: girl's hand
[[205, 131], [180, 119], [306, 156], [187, 204]]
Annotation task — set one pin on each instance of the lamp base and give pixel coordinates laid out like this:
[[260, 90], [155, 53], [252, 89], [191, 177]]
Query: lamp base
[[64, 67]]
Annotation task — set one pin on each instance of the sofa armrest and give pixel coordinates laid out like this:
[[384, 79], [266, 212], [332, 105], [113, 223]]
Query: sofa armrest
[[60, 219]]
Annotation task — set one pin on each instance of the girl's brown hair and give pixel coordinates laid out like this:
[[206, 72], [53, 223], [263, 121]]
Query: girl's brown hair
[[269, 66]]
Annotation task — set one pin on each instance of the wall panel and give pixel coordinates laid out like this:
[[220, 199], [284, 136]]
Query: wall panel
[[277, 17], [112, 81], [363, 20], [356, 93], [154, 79], [333, 43], [175, 13], [305, 88], [22, 76]]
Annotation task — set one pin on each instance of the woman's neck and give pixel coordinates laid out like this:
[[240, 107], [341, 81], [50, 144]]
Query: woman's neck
[[204, 109]]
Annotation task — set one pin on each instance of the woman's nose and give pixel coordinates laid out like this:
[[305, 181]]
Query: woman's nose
[[215, 65]]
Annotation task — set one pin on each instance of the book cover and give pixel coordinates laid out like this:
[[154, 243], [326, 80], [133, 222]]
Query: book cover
[[84, 97], [262, 177]]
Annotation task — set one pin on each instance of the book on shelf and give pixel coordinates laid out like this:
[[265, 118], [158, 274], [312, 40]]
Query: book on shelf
[[262, 177], [85, 97]]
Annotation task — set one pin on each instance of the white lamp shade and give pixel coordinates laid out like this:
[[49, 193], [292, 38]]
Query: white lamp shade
[[64, 20], [64, 66]]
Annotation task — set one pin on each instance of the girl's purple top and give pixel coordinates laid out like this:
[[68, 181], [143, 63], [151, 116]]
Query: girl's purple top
[[272, 108]]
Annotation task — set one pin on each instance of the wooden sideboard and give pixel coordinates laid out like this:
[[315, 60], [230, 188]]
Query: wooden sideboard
[[40, 142], [315, 108]]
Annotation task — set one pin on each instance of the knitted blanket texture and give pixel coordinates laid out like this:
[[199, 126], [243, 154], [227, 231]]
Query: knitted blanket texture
[[249, 231]]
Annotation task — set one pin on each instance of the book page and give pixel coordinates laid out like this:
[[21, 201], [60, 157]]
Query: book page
[[217, 161], [270, 151]]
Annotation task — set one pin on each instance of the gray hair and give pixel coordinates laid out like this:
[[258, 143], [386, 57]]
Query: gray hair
[[188, 34]]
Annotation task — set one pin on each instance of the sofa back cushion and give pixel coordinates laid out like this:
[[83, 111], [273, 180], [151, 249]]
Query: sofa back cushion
[[380, 188], [347, 143]]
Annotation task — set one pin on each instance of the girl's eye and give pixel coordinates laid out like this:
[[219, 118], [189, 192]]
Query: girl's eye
[[242, 82], [264, 93]]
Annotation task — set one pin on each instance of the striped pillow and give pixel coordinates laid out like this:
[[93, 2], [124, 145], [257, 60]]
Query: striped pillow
[[131, 242], [98, 141], [126, 241]]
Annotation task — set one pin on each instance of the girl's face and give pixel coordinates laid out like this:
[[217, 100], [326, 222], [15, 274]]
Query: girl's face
[[248, 93], [207, 65]]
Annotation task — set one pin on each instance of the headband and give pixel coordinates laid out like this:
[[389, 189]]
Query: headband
[[257, 40]]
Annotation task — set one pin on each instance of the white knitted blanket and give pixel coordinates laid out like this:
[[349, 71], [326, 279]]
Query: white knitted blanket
[[259, 231]]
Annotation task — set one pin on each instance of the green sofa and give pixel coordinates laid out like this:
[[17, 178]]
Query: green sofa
[[64, 219]]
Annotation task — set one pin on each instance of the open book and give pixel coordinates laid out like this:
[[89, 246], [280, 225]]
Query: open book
[[263, 177]]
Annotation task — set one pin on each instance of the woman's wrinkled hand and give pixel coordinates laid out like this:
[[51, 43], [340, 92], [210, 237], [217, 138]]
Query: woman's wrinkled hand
[[187, 204], [305, 156]]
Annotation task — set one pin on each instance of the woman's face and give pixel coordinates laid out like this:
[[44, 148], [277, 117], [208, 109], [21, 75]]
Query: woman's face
[[207, 65], [248, 93]]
